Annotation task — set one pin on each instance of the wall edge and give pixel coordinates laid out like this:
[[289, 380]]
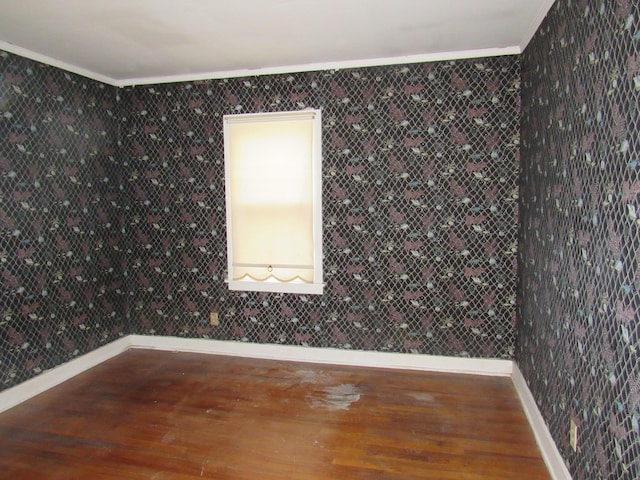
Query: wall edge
[[329, 356], [22, 392], [53, 62], [48, 379], [550, 453], [322, 66], [536, 21]]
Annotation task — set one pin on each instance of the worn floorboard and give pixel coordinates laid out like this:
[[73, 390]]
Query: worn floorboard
[[158, 415]]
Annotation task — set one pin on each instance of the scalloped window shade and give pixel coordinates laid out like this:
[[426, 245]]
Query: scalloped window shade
[[273, 193]]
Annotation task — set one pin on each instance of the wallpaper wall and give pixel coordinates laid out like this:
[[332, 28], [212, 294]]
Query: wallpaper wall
[[421, 167], [61, 284], [579, 337], [420, 209]]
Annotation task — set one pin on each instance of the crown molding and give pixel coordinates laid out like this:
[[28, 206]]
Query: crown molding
[[67, 67], [310, 67], [535, 23]]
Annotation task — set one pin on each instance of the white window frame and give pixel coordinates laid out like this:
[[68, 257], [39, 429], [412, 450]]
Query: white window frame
[[271, 284]]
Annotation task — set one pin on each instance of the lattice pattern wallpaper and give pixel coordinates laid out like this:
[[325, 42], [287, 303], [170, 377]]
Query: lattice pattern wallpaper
[[61, 285], [579, 338], [420, 209]]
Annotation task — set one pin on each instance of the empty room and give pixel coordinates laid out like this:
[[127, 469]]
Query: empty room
[[307, 239]]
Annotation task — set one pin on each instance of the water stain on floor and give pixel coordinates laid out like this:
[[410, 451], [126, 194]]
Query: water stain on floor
[[338, 397], [312, 376], [422, 396]]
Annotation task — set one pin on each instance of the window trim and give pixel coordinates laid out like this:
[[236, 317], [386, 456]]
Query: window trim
[[272, 284]]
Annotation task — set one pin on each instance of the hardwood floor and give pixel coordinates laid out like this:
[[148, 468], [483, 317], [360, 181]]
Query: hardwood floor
[[158, 415]]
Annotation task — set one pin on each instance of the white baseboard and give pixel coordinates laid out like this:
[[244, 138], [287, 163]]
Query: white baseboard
[[50, 378], [331, 356], [555, 464]]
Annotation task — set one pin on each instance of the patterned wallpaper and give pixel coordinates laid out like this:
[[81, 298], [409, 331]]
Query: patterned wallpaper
[[579, 338], [421, 169], [420, 213], [61, 285]]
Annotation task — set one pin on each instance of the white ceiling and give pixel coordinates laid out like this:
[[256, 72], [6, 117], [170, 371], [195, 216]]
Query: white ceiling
[[127, 42]]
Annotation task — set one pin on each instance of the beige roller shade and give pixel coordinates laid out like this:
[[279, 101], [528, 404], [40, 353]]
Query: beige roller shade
[[270, 196]]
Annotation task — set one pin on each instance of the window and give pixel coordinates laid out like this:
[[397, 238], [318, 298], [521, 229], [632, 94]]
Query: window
[[273, 179]]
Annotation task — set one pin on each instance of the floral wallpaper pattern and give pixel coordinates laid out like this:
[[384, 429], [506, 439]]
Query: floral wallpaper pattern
[[112, 214], [579, 334], [420, 168], [112, 218], [61, 272]]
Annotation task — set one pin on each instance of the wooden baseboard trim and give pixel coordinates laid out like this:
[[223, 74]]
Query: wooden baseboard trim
[[550, 453], [50, 378], [331, 356]]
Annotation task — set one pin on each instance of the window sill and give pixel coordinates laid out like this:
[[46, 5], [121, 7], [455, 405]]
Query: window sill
[[276, 287]]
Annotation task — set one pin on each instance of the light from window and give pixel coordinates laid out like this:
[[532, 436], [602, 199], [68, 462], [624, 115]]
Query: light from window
[[273, 179]]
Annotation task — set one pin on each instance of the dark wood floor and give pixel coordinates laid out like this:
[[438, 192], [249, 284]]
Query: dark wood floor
[[158, 415]]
